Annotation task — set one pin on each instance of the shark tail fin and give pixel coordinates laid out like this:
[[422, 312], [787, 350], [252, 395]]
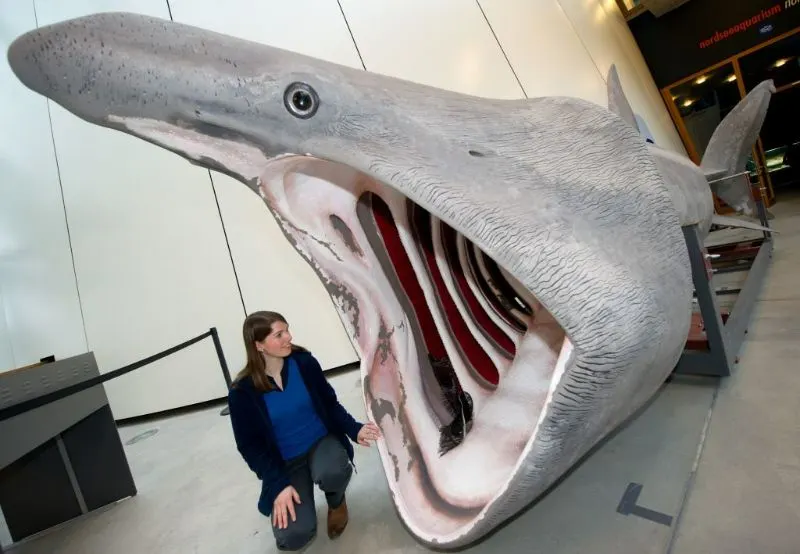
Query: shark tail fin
[[727, 221], [730, 146], [617, 101]]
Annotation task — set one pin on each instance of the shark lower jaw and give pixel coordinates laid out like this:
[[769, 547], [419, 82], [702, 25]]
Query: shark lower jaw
[[430, 315]]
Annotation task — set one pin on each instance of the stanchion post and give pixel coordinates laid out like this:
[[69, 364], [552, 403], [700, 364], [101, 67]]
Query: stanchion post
[[222, 363]]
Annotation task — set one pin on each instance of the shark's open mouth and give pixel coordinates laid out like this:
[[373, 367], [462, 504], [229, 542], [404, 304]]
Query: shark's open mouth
[[457, 357]]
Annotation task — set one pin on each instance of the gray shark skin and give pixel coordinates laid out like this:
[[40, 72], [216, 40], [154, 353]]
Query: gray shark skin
[[581, 217], [685, 182]]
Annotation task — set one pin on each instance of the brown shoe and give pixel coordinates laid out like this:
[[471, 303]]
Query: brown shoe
[[337, 520]]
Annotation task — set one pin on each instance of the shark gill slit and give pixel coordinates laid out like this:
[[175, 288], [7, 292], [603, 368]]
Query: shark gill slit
[[499, 305], [456, 420], [490, 330], [476, 358]]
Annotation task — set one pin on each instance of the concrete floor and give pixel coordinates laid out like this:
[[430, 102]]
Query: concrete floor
[[719, 466], [745, 498]]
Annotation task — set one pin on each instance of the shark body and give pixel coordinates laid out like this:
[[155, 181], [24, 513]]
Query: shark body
[[512, 272]]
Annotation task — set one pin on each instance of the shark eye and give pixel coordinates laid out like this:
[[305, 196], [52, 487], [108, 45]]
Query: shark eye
[[301, 100]]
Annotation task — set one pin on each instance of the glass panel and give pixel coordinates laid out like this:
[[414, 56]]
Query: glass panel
[[779, 61], [704, 101], [780, 134]]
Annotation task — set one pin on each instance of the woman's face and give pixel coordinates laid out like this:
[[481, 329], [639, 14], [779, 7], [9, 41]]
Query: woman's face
[[278, 343]]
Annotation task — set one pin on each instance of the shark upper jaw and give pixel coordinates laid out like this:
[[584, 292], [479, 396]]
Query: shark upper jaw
[[421, 252]]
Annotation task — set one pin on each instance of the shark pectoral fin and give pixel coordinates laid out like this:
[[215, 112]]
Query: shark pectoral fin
[[617, 101], [735, 191], [736, 222]]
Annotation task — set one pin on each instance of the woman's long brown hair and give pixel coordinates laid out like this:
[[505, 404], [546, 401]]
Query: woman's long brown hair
[[256, 327]]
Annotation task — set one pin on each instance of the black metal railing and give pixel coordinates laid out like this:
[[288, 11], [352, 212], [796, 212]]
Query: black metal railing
[[38, 402]]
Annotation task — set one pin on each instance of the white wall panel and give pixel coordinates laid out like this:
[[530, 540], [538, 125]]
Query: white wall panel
[[272, 275], [314, 28], [546, 54], [446, 44], [594, 22], [40, 310], [150, 254]]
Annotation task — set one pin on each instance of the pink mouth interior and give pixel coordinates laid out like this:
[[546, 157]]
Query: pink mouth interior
[[408, 286]]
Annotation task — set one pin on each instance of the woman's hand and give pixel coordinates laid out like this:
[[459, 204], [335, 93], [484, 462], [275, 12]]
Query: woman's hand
[[369, 432], [284, 506]]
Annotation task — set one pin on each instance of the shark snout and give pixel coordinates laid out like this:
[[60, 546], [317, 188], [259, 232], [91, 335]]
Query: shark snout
[[37, 59], [94, 67], [111, 68]]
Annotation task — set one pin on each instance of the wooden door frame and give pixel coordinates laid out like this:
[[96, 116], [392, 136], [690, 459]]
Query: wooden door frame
[[759, 156]]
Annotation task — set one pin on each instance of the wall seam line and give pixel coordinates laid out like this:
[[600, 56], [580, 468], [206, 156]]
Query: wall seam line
[[497, 39], [352, 37], [227, 242], [64, 205], [586, 48], [221, 219]]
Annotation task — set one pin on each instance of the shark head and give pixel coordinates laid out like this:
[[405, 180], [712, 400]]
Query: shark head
[[512, 272], [197, 93]]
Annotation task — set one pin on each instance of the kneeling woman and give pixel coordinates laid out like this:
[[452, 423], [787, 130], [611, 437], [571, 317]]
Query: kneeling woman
[[292, 431]]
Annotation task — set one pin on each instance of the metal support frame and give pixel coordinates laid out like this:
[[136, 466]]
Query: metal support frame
[[717, 360], [724, 339], [222, 363]]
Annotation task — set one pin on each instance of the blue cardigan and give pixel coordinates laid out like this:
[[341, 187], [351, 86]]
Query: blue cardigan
[[252, 429]]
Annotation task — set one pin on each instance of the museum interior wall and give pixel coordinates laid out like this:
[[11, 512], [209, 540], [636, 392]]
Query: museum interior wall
[[111, 245]]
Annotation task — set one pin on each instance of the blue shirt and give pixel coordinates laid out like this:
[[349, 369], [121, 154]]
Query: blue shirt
[[296, 424]]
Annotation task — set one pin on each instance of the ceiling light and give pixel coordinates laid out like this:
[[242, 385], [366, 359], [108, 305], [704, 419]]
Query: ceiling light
[[688, 102], [700, 80], [730, 78], [780, 62]]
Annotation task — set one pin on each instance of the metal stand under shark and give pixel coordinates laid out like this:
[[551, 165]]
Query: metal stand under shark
[[513, 273], [718, 330]]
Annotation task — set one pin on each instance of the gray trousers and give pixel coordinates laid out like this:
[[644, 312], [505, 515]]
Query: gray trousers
[[327, 466]]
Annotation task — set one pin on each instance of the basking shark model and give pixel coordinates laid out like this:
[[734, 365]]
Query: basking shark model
[[513, 273]]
